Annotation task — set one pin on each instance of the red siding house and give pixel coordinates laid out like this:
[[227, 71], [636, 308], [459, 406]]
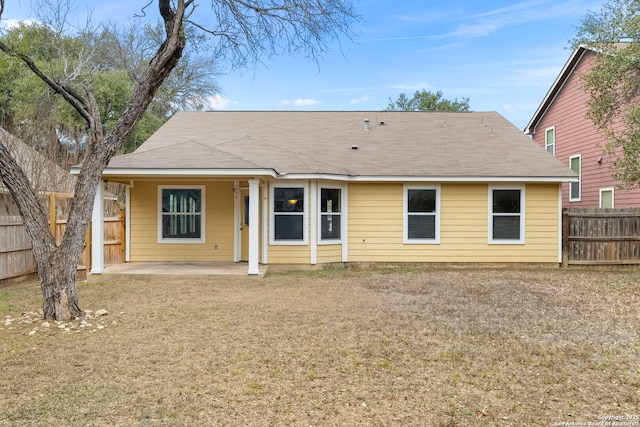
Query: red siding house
[[561, 126]]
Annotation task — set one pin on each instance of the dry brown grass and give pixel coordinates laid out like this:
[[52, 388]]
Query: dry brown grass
[[432, 347]]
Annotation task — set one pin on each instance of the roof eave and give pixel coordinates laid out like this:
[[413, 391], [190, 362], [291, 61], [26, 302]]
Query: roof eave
[[270, 173], [435, 178], [173, 172], [557, 85]]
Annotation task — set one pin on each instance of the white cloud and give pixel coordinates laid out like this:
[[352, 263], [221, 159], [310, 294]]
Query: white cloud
[[217, 102], [485, 23], [422, 17], [299, 102], [512, 8], [411, 87], [360, 100], [13, 23]]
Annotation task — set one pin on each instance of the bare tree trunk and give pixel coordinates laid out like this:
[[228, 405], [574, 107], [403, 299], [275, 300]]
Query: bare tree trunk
[[56, 269], [57, 264], [59, 291]]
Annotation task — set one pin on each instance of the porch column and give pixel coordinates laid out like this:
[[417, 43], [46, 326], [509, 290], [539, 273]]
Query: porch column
[[97, 231], [254, 232], [127, 222]]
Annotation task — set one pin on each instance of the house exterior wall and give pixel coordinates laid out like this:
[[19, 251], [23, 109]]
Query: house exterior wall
[[219, 229], [289, 254], [376, 223], [329, 253], [575, 134]]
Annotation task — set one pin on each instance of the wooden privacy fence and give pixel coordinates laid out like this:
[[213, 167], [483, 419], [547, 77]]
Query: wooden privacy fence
[[16, 257], [593, 236]]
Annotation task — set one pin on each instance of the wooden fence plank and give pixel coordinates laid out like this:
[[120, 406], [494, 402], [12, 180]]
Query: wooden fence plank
[[601, 236], [16, 257]]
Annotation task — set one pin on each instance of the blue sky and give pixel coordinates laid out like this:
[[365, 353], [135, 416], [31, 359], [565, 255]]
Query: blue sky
[[502, 55]]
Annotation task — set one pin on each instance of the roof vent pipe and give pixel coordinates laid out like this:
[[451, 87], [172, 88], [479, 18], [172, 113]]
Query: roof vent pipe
[[366, 124]]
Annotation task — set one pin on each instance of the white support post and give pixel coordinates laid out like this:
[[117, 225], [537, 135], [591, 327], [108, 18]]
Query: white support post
[[344, 223], [254, 223], [237, 222], [97, 232], [127, 222], [265, 224], [313, 215]]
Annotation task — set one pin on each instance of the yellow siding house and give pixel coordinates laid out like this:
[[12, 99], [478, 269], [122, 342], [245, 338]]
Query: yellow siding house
[[314, 188]]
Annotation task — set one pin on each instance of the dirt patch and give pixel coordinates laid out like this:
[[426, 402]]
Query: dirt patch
[[433, 347]]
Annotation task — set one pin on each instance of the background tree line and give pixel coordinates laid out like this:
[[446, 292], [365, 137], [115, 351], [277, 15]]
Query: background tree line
[[109, 61]]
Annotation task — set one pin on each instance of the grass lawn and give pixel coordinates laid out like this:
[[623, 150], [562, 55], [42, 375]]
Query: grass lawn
[[430, 347]]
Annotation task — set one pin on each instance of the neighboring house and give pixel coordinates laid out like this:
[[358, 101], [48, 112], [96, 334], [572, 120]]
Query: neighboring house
[[312, 188], [45, 176], [561, 126]]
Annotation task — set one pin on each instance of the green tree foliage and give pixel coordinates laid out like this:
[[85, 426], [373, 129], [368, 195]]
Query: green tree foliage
[[613, 84], [110, 62], [423, 100]]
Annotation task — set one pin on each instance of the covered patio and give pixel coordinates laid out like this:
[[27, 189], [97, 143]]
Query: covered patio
[[171, 270]]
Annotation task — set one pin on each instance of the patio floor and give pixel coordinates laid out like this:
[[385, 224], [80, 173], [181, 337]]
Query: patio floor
[[169, 270]]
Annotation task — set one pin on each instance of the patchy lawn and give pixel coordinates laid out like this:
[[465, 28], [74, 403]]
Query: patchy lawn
[[432, 347]]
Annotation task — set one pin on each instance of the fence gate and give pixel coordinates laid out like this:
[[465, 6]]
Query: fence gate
[[593, 236]]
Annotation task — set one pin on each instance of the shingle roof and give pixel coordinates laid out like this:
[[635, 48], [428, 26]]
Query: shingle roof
[[44, 175], [390, 144]]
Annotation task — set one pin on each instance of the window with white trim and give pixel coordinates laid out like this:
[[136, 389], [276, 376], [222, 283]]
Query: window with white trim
[[575, 163], [421, 214], [606, 198], [288, 215], [550, 140], [506, 215], [181, 213], [330, 215]]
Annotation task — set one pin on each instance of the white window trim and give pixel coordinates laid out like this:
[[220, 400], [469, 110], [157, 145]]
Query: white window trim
[[203, 217], [579, 198], [405, 215], [343, 202], [305, 215], [613, 196], [521, 240], [553, 128]]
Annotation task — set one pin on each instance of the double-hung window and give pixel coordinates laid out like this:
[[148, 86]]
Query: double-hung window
[[330, 215], [606, 198], [289, 215], [575, 163], [421, 214], [550, 140], [506, 215], [181, 214]]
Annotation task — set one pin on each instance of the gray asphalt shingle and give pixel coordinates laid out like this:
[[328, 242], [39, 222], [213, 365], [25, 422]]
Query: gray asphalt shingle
[[390, 144]]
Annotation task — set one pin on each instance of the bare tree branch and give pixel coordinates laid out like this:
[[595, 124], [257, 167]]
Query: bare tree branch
[[72, 97]]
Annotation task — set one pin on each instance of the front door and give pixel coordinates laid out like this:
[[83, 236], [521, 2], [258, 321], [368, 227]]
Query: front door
[[244, 225]]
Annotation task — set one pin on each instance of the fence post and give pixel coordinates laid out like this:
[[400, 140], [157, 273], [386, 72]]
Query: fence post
[[52, 213], [566, 227], [87, 249]]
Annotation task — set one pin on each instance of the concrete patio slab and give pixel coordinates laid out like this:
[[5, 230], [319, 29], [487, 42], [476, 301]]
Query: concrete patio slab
[[171, 270]]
